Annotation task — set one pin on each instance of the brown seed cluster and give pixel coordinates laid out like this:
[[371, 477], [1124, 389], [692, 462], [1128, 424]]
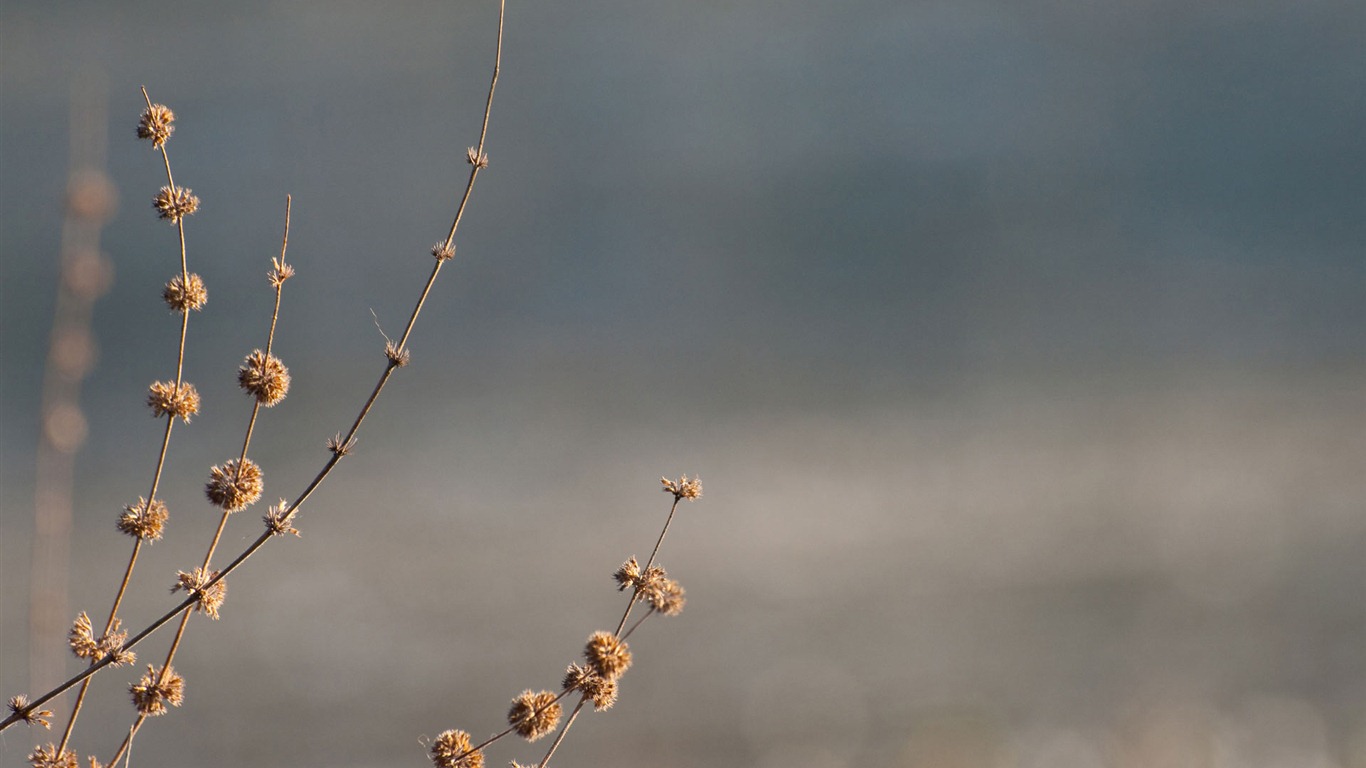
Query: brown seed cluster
[[398, 357], [476, 158], [264, 377], [452, 750], [277, 520], [156, 124], [183, 295], [652, 585], [234, 486], [340, 447], [153, 692], [683, 488], [279, 273], [18, 705], [175, 203], [144, 521], [607, 654], [443, 252], [182, 402], [51, 757], [85, 645], [601, 691], [208, 600], [534, 715]]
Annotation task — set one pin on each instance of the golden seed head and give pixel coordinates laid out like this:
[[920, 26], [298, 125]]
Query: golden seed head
[[175, 203], [232, 487], [443, 252], [277, 520], [144, 521], [207, 600], [153, 692], [156, 124], [601, 691], [452, 750], [665, 596], [533, 715], [81, 638], [182, 299], [18, 705], [340, 447], [607, 654], [399, 357], [279, 273], [683, 488], [264, 377], [627, 575], [164, 397], [476, 158], [51, 757]]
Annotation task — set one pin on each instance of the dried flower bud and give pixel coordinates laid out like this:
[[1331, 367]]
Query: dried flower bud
[[208, 600], [533, 715], [182, 299], [51, 757], [182, 402], [264, 377], [607, 654], [665, 596], [19, 706], [277, 520], [175, 203], [443, 252], [143, 520], [153, 692], [627, 575], [279, 273], [231, 487], [340, 447], [452, 750], [156, 124], [601, 691], [683, 488], [476, 158], [398, 357], [81, 638]]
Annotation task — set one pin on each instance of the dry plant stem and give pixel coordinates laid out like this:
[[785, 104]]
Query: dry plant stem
[[318, 479], [161, 454], [223, 518], [560, 736], [651, 562]]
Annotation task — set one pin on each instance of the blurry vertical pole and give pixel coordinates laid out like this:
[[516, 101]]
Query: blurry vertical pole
[[84, 275]]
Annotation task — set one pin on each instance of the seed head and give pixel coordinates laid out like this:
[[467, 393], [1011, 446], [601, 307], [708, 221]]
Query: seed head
[[399, 357], [51, 757], [207, 600], [476, 158], [683, 488], [164, 397], [601, 691], [533, 715], [144, 521], [232, 487], [156, 124], [175, 203], [340, 447], [607, 654], [443, 252], [277, 520], [18, 705], [85, 645], [153, 692], [664, 595], [264, 377], [627, 575], [279, 273], [182, 299], [452, 750]]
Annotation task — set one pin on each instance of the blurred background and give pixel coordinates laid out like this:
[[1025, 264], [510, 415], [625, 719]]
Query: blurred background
[[1021, 347]]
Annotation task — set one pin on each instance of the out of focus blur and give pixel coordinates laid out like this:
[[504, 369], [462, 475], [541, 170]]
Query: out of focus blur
[[1020, 346]]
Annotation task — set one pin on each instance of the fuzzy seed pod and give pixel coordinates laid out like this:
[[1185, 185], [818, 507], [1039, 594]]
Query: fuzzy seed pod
[[208, 600], [153, 692], [174, 204], [683, 488], [144, 521], [18, 705], [627, 575], [51, 757], [443, 252], [534, 715], [182, 299], [452, 750], [164, 397], [264, 377], [231, 487], [607, 654], [156, 124], [601, 691]]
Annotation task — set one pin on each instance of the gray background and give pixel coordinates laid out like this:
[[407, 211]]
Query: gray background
[[1019, 346]]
